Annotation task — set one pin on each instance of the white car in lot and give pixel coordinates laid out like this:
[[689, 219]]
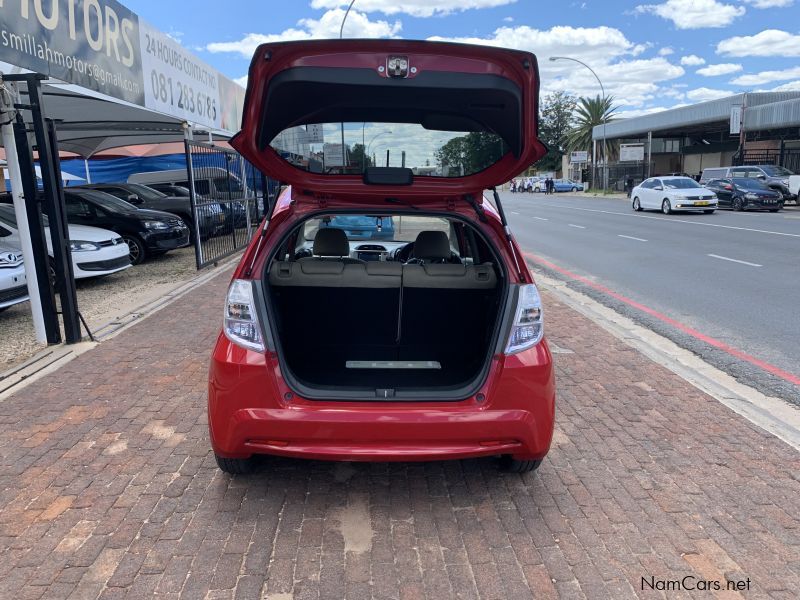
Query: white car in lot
[[13, 285], [669, 194], [95, 251]]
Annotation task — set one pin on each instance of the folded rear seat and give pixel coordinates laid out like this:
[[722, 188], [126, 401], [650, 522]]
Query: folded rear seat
[[332, 310], [448, 311]]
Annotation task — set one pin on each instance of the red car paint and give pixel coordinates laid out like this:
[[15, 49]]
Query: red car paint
[[252, 409]]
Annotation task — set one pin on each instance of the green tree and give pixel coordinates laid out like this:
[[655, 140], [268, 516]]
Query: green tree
[[555, 121], [590, 112], [470, 153], [356, 155]]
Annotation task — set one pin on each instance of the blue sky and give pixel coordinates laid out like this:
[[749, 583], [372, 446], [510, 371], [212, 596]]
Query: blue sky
[[651, 54]]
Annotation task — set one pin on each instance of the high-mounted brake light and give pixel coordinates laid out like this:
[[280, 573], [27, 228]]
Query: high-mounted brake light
[[528, 327], [241, 325]]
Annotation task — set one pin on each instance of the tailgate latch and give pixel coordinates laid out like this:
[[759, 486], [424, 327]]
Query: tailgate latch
[[397, 66], [384, 392]]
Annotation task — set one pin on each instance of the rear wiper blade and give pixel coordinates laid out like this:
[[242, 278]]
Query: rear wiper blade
[[403, 202]]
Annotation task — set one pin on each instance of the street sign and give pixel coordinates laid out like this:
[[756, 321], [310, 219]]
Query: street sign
[[579, 156], [736, 119], [332, 154], [631, 152]]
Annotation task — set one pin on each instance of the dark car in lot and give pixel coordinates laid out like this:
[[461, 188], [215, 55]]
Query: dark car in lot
[[212, 219], [147, 232], [745, 193]]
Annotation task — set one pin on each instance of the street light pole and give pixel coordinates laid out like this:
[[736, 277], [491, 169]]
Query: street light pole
[[374, 137], [603, 116]]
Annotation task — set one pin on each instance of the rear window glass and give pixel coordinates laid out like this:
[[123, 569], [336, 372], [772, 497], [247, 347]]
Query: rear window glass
[[377, 227], [680, 183], [336, 148]]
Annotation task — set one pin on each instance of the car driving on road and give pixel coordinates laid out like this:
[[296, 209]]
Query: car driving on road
[[95, 251], [669, 194], [425, 345], [744, 193]]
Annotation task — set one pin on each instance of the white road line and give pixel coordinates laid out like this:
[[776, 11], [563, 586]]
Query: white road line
[[541, 218], [741, 262], [511, 212], [577, 226], [630, 237], [671, 220]]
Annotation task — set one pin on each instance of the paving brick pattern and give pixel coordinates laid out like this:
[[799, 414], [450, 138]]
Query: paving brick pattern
[[108, 489]]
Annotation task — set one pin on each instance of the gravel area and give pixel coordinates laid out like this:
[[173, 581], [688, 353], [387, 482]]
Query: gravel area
[[100, 300]]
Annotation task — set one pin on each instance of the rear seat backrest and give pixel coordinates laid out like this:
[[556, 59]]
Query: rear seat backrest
[[333, 302], [447, 309]]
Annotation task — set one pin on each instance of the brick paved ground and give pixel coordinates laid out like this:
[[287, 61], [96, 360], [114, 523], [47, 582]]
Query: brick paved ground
[[107, 488]]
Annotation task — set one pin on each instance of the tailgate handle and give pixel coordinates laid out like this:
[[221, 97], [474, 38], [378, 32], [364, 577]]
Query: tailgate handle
[[384, 392]]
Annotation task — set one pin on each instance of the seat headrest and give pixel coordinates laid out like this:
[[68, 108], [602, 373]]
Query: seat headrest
[[331, 242], [432, 245]]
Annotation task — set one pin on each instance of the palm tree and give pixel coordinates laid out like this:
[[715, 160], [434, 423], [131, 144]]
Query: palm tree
[[590, 112]]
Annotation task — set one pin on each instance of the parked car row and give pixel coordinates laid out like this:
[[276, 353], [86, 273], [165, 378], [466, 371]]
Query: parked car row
[[772, 176], [537, 184], [669, 194]]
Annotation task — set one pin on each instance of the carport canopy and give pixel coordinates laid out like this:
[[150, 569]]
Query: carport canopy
[[88, 123]]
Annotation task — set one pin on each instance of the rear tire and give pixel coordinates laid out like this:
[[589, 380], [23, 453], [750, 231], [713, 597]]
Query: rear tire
[[509, 464], [666, 207], [637, 205], [235, 466], [737, 204]]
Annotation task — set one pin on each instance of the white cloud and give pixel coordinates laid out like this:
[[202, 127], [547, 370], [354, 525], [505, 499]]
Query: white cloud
[[415, 8], [770, 42], [692, 60], [327, 26], [508, 19], [704, 94], [766, 77], [770, 3], [632, 82], [242, 81], [666, 51], [694, 14], [719, 69], [792, 86]]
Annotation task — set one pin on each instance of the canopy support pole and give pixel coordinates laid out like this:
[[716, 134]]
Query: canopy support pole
[[86, 168], [14, 174]]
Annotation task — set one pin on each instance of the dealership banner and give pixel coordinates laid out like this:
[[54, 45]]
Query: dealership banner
[[103, 46]]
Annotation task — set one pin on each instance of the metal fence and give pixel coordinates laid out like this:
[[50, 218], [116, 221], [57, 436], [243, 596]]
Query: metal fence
[[788, 158], [229, 199]]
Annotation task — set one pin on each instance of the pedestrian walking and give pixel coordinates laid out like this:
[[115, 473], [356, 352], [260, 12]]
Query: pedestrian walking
[[629, 185]]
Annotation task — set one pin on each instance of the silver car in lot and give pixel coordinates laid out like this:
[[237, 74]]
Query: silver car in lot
[[13, 285], [95, 251]]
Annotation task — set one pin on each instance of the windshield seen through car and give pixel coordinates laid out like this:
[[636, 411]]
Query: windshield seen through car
[[749, 183], [388, 228]]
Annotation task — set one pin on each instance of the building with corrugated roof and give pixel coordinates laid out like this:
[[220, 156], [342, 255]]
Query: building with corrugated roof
[[747, 128]]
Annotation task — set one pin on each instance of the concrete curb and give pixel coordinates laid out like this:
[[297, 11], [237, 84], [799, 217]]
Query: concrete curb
[[772, 414]]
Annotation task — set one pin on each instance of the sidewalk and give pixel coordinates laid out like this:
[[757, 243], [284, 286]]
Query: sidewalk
[[108, 489]]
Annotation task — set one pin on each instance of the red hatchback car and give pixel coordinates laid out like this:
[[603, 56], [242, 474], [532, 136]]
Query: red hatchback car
[[383, 311]]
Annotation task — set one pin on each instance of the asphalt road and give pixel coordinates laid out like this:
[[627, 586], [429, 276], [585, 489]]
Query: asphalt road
[[734, 277]]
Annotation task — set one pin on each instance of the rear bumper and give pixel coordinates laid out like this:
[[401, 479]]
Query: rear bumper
[[250, 412]]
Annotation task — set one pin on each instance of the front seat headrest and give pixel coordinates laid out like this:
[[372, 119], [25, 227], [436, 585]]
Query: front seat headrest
[[432, 245], [331, 242]]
